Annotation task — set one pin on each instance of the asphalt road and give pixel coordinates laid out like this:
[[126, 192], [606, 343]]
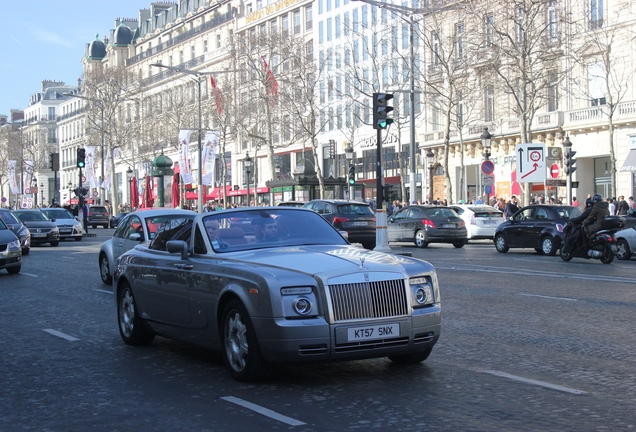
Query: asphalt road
[[528, 342]]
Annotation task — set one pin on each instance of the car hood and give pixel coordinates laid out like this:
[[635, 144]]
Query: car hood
[[66, 221], [40, 224], [15, 228], [330, 261], [7, 236]]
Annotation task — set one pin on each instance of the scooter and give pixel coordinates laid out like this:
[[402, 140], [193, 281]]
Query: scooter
[[602, 246]]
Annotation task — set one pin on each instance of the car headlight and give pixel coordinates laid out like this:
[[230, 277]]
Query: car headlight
[[422, 291], [56, 229], [299, 302], [14, 244]]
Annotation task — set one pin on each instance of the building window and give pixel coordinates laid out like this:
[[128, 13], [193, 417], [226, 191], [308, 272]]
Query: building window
[[296, 15], [435, 48], [460, 52], [192, 52], [553, 21], [436, 117], [356, 23], [309, 20], [520, 18], [329, 22], [553, 92], [597, 83], [285, 25], [337, 27], [321, 33], [596, 14], [489, 103], [489, 29]]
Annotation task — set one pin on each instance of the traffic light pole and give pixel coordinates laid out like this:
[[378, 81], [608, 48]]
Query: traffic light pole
[[378, 172]]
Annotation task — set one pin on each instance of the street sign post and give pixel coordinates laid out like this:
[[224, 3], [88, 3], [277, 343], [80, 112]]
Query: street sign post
[[531, 162]]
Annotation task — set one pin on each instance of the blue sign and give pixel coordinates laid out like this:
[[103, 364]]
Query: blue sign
[[487, 167], [488, 189]]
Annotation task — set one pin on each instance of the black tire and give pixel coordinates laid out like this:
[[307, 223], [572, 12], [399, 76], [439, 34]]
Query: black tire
[[55, 243], [608, 255], [548, 247], [104, 270], [501, 244], [623, 253], [241, 353], [566, 256], [14, 270], [78, 238], [420, 239], [132, 329], [26, 251], [105, 226], [94, 226], [459, 243], [414, 358]]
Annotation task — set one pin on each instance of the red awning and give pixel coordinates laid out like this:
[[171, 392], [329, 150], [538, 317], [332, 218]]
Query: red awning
[[215, 193], [86, 200]]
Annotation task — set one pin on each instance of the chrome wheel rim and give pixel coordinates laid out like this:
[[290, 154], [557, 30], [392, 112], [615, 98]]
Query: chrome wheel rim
[[127, 313], [547, 245], [104, 268], [621, 250], [419, 238], [501, 243], [236, 342]]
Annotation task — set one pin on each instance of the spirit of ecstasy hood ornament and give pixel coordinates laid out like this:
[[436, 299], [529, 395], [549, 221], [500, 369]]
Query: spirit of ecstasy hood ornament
[[362, 267]]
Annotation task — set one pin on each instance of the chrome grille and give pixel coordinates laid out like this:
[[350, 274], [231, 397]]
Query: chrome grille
[[365, 300]]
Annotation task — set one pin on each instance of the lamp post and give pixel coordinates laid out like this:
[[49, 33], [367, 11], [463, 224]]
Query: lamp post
[[129, 176], [486, 142], [41, 194], [430, 159], [248, 169], [567, 145], [349, 156], [101, 107]]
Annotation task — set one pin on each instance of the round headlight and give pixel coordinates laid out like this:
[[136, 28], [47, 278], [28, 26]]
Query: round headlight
[[302, 306], [421, 295]]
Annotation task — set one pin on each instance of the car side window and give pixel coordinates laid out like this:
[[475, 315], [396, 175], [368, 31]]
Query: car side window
[[172, 229], [119, 231], [320, 208], [414, 213], [399, 215], [134, 226], [526, 214], [199, 244], [541, 213]]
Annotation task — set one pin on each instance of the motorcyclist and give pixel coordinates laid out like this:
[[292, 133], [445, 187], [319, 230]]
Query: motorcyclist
[[594, 222], [576, 235]]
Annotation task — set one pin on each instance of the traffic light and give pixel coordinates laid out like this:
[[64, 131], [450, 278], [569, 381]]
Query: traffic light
[[388, 192], [81, 157], [54, 161], [352, 175], [381, 110], [570, 162]]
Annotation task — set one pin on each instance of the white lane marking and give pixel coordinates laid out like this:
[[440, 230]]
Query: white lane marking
[[61, 335], [104, 291], [69, 258], [549, 297], [535, 382], [263, 411], [28, 274], [507, 270]]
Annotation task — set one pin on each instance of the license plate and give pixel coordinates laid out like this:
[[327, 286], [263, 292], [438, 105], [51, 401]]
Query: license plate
[[448, 225], [65, 231], [489, 222], [383, 331], [38, 235], [360, 223]]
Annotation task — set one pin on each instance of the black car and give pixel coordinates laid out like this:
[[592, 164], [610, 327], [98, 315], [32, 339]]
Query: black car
[[538, 226], [42, 229], [18, 228], [427, 224], [98, 215], [114, 221], [356, 218]]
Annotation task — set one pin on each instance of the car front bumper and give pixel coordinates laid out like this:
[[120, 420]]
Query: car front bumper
[[10, 259], [283, 340]]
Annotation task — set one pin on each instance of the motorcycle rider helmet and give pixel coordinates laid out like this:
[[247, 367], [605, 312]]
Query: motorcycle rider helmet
[[597, 198]]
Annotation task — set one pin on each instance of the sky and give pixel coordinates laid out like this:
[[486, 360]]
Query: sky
[[45, 40]]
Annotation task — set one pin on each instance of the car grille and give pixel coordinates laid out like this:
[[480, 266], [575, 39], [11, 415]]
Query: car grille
[[3, 247], [366, 300]]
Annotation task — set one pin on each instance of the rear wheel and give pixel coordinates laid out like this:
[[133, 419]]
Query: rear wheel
[[26, 251], [94, 226], [608, 255], [14, 270], [131, 326], [501, 244], [459, 243], [105, 226], [623, 253], [104, 270], [55, 243], [547, 246], [420, 239], [411, 358]]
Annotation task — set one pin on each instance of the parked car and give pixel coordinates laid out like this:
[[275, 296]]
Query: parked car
[[10, 251], [70, 227], [626, 243], [538, 226], [427, 224], [18, 228], [299, 294], [98, 215], [135, 228], [42, 229], [354, 217], [481, 220], [114, 221]]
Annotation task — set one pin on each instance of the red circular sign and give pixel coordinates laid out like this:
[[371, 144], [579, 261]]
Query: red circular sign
[[554, 170], [487, 167]]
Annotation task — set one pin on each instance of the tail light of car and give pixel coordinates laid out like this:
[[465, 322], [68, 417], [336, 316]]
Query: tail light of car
[[559, 227], [339, 220], [461, 224], [107, 214], [428, 223], [472, 220], [90, 213]]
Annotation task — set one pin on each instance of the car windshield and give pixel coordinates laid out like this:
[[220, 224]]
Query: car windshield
[[261, 228], [440, 212], [486, 212], [57, 214], [568, 212], [31, 216], [8, 217], [355, 209]]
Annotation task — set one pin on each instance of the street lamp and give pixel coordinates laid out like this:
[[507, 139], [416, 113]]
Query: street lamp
[[248, 168], [486, 141], [430, 158], [277, 170], [349, 157], [41, 194], [129, 176]]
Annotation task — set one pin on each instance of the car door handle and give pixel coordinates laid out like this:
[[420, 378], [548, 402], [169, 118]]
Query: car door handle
[[184, 266]]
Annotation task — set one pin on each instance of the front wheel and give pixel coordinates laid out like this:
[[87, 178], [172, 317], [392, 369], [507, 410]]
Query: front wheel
[[241, 354], [501, 244], [547, 246], [104, 270], [131, 326], [623, 252], [566, 255], [411, 358], [14, 270], [26, 251], [78, 238], [459, 243], [608, 255], [55, 243], [420, 239]]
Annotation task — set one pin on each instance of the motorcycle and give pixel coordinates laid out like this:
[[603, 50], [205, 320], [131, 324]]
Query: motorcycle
[[602, 245]]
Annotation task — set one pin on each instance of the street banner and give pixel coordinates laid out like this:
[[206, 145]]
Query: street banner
[[13, 184], [106, 182], [209, 156], [184, 157], [28, 175], [91, 177]]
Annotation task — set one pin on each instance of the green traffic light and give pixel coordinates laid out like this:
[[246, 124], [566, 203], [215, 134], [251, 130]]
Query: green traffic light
[[80, 164], [352, 182]]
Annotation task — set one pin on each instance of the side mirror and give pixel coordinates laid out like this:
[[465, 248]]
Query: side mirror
[[178, 246], [136, 237], [391, 219], [511, 219], [53, 220]]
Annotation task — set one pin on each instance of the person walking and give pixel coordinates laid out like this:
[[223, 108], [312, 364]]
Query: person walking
[[622, 208], [511, 207]]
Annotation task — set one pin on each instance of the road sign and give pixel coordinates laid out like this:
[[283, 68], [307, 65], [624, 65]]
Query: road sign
[[27, 190], [556, 182], [531, 165], [488, 189], [487, 180], [487, 167], [554, 153], [554, 171], [83, 178], [95, 194]]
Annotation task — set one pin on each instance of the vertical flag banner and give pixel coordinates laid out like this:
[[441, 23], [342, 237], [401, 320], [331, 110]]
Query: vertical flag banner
[[184, 157], [91, 177], [28, 175], [106, 182], [218, 96], [270, 82], [13, 184], [209, 156]]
